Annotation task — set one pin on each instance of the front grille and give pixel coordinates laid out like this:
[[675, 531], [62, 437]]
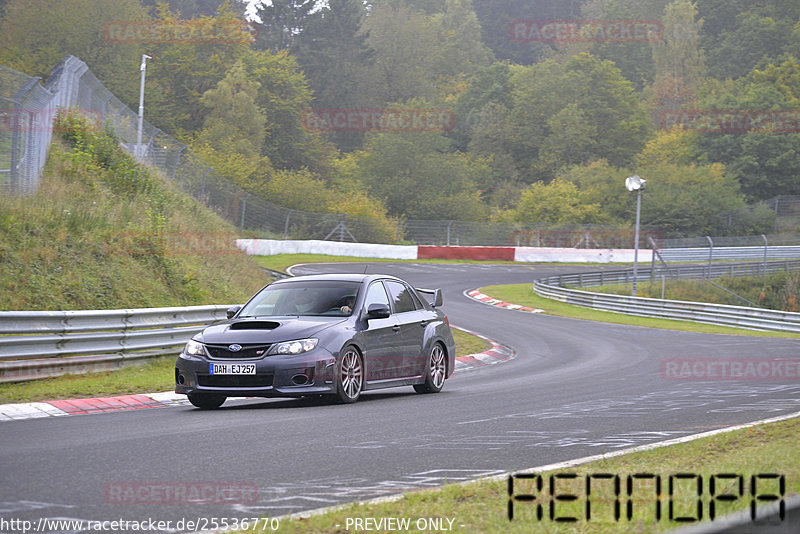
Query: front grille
[[235, 381], [248, 352]]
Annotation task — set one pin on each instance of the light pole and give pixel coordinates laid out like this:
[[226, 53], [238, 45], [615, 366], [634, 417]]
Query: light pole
[[138, 152], [636, 183]]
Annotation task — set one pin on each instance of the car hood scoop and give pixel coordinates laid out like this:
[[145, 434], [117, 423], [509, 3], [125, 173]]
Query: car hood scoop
[[254, 325], [248, 331]]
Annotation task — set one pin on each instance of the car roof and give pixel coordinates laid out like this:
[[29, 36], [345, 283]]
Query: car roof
[[346, 277]]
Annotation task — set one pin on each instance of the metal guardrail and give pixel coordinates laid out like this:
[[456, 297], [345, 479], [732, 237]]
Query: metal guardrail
[[696, 272], [730, 253], [717, 314], [41, 344]]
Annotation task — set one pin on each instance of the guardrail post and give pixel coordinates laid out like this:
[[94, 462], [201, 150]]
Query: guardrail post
[[766, 250], [710, 255]]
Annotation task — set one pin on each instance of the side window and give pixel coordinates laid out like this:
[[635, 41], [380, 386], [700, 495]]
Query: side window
[[401, 297], [375, 295]]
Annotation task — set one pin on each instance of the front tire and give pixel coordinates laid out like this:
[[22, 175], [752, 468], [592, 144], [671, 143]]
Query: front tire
[[435, 371], [205, 401], [350, 377]]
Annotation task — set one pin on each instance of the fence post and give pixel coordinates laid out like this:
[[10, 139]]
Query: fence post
[[203, 187], [449, 225], [286, 225], [244, 207], [710, 255], [177, 161]]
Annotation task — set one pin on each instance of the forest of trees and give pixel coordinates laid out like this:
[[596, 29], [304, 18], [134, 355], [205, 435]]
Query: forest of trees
[[542, 131]]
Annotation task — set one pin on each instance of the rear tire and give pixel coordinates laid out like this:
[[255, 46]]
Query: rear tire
[[435, 371], [350, 376], [206, 401]]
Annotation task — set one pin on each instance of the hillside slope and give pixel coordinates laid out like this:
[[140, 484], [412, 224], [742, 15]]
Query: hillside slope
[[106, 232]]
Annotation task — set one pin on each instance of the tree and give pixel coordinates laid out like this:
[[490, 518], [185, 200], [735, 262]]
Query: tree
[[405, 43], [634, 60], [678, 58], [689, 200], [765, 163], [233, 130], [35, 35], [559, 201], [680, 200], [282, 22], [190, 9], [335, 54], [496, 16], [284, 96], [182, 71], [603, 116], [489, 84], [462, 51], [737, 34], [671, 146], [419, 178]]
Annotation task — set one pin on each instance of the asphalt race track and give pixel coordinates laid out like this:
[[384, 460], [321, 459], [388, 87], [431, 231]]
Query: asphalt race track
[[574, 389]]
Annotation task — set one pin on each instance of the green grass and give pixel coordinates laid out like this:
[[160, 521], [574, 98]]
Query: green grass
[[523, 294], [467, 343], [156, 375], [481, 507], [779, 291]]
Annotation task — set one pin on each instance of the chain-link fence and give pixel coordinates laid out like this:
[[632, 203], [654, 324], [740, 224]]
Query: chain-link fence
[[26, 112]]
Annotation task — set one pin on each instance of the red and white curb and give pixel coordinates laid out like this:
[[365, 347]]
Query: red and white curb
[[498, 353], [58, 408], [475, 294]]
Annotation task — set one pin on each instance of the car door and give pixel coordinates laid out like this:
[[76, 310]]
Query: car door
[[412, 326], [382, 347]]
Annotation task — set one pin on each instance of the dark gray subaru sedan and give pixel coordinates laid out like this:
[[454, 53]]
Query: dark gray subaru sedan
[[317, 335]]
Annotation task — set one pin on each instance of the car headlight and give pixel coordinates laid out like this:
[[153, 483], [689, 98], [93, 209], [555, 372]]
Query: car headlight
[[194, 348], [298, 346]]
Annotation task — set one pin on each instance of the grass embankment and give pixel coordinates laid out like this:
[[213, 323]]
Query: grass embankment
[[104, 232], [777, 292], [523, 295], [483, 506]]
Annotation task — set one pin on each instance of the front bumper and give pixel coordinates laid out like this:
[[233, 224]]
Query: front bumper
[[312, 373]]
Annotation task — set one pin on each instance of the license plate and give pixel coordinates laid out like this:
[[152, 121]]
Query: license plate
[[233, 368]]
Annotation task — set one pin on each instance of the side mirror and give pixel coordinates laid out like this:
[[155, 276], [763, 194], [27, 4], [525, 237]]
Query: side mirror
[[233, 310], [378, 311]]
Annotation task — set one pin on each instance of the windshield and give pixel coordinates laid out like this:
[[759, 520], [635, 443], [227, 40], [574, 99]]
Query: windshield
[[329, 298]]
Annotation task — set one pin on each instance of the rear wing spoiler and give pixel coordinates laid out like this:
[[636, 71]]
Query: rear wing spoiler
[[436, 293]]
